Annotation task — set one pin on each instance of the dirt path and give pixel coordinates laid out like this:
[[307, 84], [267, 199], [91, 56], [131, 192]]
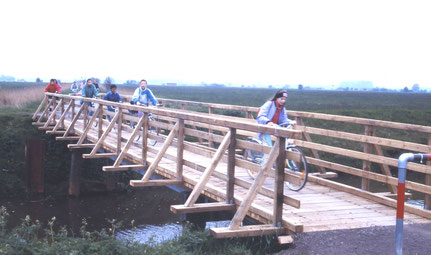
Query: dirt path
[[376, 240]]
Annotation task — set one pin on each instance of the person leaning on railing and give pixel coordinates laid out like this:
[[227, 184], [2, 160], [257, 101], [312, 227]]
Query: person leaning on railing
[[273, 113]]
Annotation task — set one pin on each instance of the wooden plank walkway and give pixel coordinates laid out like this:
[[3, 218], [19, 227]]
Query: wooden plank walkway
[[322, 208], [221, 174]]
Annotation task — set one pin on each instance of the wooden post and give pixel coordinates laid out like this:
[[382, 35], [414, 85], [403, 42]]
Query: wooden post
[[255, 186], [210, 142], [35, 165], [75, 172], [183, 107], [427, 199], [45, 99], [85, 113], [119, 129], [366, 165], [279, 184], [200, 185], [62, 112], [73, 108], [231, 167], [180, 149], [145, 138], [100, 131]]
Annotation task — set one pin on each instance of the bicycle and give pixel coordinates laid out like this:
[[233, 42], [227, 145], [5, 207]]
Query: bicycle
[[293, 167], [151, 129]]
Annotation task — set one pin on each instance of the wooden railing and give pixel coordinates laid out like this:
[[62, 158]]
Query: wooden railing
[[372, 144], [178, 127], [229, 133]]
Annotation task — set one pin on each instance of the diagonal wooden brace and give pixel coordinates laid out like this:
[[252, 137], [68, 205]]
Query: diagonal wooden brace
[[257, 184], [45, 99], [39, 121], [160, 154], [88, 127], [208, 171], [105, 134], [53, 113], [62, 117], [75, 119], [129, 143]]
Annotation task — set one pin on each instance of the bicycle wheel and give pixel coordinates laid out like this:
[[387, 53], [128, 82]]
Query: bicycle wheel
[[297, 170], [253, 156]]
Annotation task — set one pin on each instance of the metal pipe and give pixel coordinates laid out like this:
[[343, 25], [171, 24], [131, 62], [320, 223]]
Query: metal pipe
[[402, 172]]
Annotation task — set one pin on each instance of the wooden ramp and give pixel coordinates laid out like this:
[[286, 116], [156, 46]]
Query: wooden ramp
[[218, 172]]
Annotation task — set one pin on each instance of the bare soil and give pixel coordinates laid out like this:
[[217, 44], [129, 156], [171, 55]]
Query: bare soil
[[374, 240]]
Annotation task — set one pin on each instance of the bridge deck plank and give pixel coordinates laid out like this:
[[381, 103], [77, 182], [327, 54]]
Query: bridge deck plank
[[322, 208]]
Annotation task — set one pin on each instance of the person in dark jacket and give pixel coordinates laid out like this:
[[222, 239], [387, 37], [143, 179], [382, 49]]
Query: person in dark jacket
[[112, 96]]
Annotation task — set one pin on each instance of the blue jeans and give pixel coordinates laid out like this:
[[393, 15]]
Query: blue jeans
[[266, 140]]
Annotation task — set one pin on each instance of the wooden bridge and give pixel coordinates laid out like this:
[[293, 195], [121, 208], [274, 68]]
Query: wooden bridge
[[202, 152]]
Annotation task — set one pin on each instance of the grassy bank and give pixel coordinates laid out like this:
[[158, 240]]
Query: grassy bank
[[34, 237]]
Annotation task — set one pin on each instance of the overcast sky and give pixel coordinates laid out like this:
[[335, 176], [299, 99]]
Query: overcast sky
[[238, 42]]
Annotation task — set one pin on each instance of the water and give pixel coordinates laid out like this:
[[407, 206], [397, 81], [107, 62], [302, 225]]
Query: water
[[149, 208]]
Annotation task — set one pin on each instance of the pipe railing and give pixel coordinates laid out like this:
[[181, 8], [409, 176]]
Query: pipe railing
[[402, 172]]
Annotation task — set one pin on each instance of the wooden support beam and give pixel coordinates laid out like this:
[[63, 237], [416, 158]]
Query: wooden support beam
[[53, 113], [366, 165], [257, 184], [100, 123], [74, 120], [129, 143], [124, 167], [427, 199], [152, 183], [104, 135], [68, 138], [80, 146], [88, 127], [160, 154], [45, 111], [246, 231], [208, 171], [327, 175], [99, 155], [62, 117], [385, 168], [119, 129], [180, 149], [210, 141], [45, 99], [393, 196], [204, 207], [230, 184], [283, 240], [145, 138], [52, 132], [279, 183]]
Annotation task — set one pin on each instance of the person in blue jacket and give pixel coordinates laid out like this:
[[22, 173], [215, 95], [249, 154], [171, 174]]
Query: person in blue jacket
[[112, 96], [273, 113], [143, 96]]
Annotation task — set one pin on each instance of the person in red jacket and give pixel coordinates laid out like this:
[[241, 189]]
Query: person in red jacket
[[53, 87]]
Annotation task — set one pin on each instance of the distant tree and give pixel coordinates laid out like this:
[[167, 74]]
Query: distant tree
[[406, 89], [300, 87], [38, 80], [131, 82], [415, 87], [108, 82]]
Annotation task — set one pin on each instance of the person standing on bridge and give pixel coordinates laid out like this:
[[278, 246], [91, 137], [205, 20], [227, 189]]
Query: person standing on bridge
[[273, 113]]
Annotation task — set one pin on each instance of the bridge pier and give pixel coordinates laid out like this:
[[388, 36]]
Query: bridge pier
[[75, 172], [35, 166]]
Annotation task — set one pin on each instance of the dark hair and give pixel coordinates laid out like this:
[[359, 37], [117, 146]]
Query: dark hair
[[113, 86], [89, 80], [53, 80], [143, 80], [278, 94]]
